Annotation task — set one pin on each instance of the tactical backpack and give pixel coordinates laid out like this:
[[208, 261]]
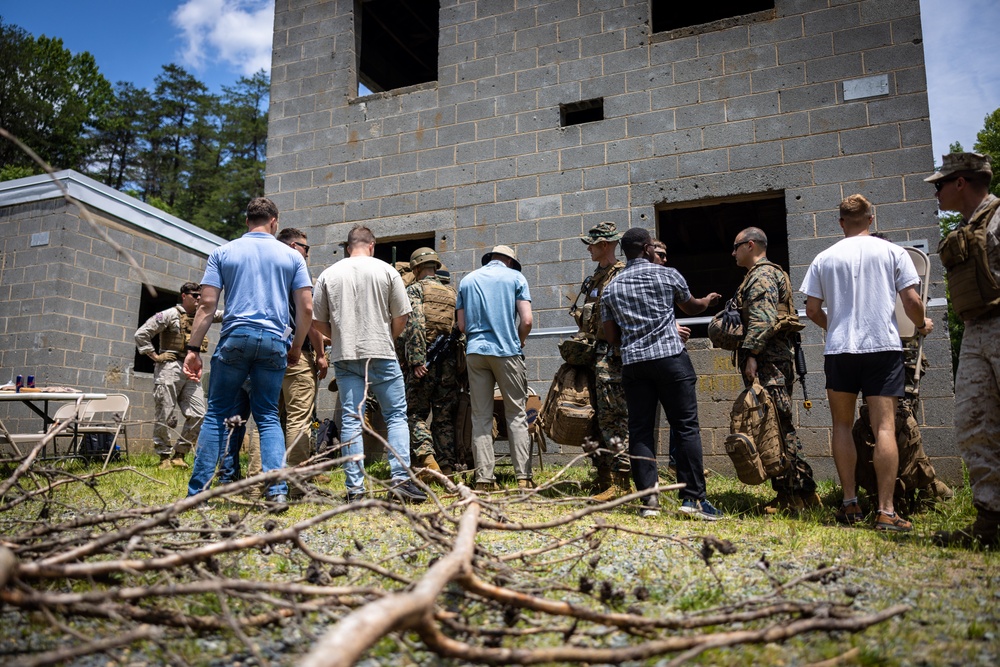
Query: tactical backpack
[[972, 287], [755, 443], [567, 417]]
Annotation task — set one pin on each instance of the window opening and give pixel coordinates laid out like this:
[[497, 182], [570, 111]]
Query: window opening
[[149, 306], [699, 242], [587, 111], [397, 43], [668, 15], [399, 250]]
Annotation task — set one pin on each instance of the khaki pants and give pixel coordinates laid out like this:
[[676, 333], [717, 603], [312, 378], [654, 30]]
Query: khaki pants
[[298, 395], [977, 410], [173, 390], [509, 374]]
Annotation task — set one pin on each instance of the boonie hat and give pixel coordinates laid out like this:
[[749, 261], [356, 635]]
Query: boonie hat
[[604, 231], [506, 251], [423, 256], [961, 164]]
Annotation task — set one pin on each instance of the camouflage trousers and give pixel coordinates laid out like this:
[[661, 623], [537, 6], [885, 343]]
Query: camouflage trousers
[[977, 410], [431, 405], [172, 390], [612, 415]]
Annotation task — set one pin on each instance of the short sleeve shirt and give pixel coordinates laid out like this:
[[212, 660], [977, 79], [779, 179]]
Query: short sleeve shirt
[[257, 274], [359, 297], [641, 301], [857, 279], [489, 297]]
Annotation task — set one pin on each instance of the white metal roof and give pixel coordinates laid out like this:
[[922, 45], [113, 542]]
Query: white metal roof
[[112, 202]]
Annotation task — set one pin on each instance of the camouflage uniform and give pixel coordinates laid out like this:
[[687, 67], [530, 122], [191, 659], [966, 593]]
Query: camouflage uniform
[[171, 387], [612, 412], [435, 394], [977, 384], [759, 297]]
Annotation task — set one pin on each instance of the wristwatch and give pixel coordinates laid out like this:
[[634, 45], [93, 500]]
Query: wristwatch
[[193, 348]]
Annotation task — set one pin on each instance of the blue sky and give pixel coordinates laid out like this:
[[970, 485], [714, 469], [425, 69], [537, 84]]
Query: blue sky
[[220, 40]]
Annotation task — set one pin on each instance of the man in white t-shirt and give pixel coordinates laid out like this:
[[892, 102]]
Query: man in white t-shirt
[[858, 279], [360, 303]]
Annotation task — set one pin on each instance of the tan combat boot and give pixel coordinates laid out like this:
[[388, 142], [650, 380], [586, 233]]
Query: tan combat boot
[[427, 462], [621, 485], [785, 502]]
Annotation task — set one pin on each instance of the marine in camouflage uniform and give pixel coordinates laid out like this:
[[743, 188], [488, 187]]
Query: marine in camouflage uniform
[[767, 354], [971, 256], [611, 460], [172, 390], [431, 385]]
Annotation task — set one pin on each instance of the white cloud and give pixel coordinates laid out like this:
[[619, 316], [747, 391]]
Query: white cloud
[[963, 72], [235, 32]]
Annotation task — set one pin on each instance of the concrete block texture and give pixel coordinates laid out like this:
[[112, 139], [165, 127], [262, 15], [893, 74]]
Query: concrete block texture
[[480, 156]]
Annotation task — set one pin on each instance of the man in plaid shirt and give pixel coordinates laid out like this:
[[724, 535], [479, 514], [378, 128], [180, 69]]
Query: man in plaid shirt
[[638, 313]]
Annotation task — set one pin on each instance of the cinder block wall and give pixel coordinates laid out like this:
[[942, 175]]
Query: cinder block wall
[[69, 308], [478, 157]]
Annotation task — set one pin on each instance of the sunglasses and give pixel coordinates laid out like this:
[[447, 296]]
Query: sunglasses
[[737, 245], [941, 184], [301, 245], [661, 254], [196, 295]]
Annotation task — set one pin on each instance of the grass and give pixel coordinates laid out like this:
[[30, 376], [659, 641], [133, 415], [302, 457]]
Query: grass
[[954, 593]]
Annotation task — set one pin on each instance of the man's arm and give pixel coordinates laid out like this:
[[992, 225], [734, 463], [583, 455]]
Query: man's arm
[[695, 306], [398, 324], [144, 338], [524, 320], [199, 328], [323, 328], [322, 365], [303, 322], [814, 311], [460, 319], [612, 332], [913, 306]]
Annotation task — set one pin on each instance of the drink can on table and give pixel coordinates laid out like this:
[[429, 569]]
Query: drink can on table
[[31, 382], [19, 383]]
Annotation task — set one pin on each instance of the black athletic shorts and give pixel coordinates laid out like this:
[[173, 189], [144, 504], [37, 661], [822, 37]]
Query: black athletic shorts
[[872, 374]]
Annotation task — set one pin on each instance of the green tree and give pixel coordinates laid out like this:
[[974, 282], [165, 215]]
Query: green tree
[[988, 142], [50, 99], [120, 138]]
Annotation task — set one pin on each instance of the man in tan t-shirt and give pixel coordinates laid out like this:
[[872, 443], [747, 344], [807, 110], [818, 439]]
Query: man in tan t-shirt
[[362, 306]]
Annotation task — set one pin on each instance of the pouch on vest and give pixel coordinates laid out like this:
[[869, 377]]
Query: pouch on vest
[[973, 289], [580, 349]]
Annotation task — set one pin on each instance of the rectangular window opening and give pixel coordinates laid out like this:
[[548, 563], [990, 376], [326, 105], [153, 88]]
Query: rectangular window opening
[[576, 113], [700, 237], [667, 15], [396, 42], [149, 306], [397, 250]]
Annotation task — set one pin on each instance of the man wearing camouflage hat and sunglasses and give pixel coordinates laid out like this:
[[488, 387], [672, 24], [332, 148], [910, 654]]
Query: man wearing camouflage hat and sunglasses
[[614, 476], [971, 256]]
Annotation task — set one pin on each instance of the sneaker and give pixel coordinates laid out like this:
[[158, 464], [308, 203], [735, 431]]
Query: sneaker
[[408, 492], [487, 487], [650, 506], [701, 509], [849, 514], [277, 504], [355, 497], [892, 523]]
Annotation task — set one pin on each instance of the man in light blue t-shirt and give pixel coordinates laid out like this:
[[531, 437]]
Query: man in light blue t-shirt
[[258, 274], [494, 312]]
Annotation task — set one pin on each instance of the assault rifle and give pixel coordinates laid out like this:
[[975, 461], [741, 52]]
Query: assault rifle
[[441, 346], [800, 369]]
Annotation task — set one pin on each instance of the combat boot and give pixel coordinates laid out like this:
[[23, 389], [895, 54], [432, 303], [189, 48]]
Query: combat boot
[[985, 531], [785, 502], [427, 462], [603, 481], [621, 485], [165, 462]]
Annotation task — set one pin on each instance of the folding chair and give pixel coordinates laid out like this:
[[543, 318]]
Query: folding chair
[[922, 264], [107, 415], [66, 412]]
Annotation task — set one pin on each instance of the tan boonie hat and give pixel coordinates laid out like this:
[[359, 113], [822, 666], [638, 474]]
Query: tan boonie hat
[[604, 231], [423, 256], [962, 164], [506, 251]]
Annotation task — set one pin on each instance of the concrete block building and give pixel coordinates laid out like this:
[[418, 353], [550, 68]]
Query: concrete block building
[[70, 302], [461, 124]]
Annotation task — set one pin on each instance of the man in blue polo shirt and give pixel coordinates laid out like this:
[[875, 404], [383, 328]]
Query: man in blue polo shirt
[[638, 314], [494, 312], [257, 273]]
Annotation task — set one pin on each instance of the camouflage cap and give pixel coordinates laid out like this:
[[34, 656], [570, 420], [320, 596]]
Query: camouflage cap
[[506, 251], [959, 164], [604, 231], [423, 256]]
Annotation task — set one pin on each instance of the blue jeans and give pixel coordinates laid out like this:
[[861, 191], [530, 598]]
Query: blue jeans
[[261, 356], [386, 381], [669, 381]]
